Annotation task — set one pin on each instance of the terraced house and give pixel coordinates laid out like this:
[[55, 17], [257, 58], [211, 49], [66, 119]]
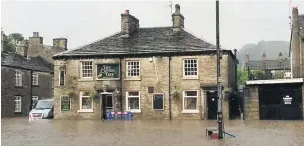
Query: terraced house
[[27, 74], [156, 73]]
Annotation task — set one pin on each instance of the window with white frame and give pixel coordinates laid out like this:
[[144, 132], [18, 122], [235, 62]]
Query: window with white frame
[[85, 102], [86, 69], [133, 69], [158, 101], [18, 77], [34, 100], [190, 67], [35, 79], [18, 103], [133, 101], [190, 100]]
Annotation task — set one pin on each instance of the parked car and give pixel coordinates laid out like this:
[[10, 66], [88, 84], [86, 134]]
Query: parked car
[[43, 109]]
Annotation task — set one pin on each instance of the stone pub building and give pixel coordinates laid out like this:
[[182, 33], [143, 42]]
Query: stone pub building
[[156, 73]]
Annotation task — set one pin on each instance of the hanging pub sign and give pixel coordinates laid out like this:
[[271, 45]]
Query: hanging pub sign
[[65, 103], [108, 71], [287, 99]]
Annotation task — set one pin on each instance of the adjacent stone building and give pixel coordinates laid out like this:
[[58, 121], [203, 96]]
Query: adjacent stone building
[[26, 76], [156, 73], [297, 44]]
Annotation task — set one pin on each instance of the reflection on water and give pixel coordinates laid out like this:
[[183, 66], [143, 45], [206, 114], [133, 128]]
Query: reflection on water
[[18, 131]]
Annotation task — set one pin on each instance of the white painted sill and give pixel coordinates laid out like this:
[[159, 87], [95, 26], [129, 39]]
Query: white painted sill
[[135, 111], [85, 111], [85, 79], [190, 111], [190, 78], [133, 79]]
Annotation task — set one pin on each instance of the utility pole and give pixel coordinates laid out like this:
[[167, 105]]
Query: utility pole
[[219, 93]]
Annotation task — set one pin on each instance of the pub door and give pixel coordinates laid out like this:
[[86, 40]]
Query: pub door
[[107, 105], [212, 105]]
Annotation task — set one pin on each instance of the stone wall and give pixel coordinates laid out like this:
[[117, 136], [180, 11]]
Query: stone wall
[[251, 103], [152, 74], [9, 90]]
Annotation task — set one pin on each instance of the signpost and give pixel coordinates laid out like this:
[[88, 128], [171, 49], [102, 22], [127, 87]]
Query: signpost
[[108, 71], [65, 103]]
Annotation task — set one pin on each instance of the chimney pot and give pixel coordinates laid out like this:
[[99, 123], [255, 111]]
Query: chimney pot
[[126, 11]]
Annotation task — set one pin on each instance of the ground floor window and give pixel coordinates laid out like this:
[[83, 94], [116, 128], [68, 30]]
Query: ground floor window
[[133, 101], [17, 103], [85, 101], [190, 100], [158, 101]]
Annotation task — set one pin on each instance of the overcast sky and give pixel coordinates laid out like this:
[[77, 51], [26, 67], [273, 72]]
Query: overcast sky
[[82, 22]]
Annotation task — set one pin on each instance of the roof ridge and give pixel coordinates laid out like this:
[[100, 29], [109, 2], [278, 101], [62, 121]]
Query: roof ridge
[[86, 44]]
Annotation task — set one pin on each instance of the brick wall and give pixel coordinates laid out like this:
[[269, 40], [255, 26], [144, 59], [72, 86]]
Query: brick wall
[[152, 75]]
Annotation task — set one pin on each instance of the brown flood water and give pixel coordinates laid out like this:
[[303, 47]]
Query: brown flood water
[[21, 132]]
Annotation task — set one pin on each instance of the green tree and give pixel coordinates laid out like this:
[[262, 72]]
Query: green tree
[[242, 77], [10, 41]]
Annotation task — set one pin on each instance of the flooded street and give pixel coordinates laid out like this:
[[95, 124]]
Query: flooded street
[[21, 132]]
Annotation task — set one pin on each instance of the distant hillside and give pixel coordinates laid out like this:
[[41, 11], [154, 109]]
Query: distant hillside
[[271, 48]]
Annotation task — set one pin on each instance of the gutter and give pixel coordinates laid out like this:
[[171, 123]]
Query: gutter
[[170, 112]]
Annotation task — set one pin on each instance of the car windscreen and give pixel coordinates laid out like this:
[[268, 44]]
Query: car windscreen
[[44, 105]]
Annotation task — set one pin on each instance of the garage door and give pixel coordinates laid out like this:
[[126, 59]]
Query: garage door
[[280, 102]]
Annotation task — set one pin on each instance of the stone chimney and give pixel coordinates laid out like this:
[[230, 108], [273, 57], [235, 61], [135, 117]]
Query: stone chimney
[[295, 44], [177, 19], [22, 48], [129, 24], [35, 39], [60, 43]]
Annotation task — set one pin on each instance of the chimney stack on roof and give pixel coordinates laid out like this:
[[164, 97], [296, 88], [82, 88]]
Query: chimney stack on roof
[[178, 19], [129, 24], [36, 39], [60, 43]]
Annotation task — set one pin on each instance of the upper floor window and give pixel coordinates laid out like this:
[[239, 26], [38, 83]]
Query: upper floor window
[[190, 67], [133, 69], [86, 69], [18, 77], [35, 79], [61, 77]]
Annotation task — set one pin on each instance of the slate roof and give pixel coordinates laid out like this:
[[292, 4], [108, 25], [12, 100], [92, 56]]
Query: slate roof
[[143, 41], [18, 61], [270, 64]]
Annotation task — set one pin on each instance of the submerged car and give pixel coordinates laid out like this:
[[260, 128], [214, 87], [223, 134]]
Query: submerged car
[[43, 109]]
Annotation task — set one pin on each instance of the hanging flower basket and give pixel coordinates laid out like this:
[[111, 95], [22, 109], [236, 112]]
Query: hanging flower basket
[[176, 95]]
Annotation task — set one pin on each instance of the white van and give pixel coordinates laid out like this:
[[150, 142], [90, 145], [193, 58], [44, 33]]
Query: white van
[[43, 109]]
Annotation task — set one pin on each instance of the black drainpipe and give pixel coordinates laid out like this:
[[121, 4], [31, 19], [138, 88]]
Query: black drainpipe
[[121, 84], [235, 74], [170, 114], [31, 90]]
